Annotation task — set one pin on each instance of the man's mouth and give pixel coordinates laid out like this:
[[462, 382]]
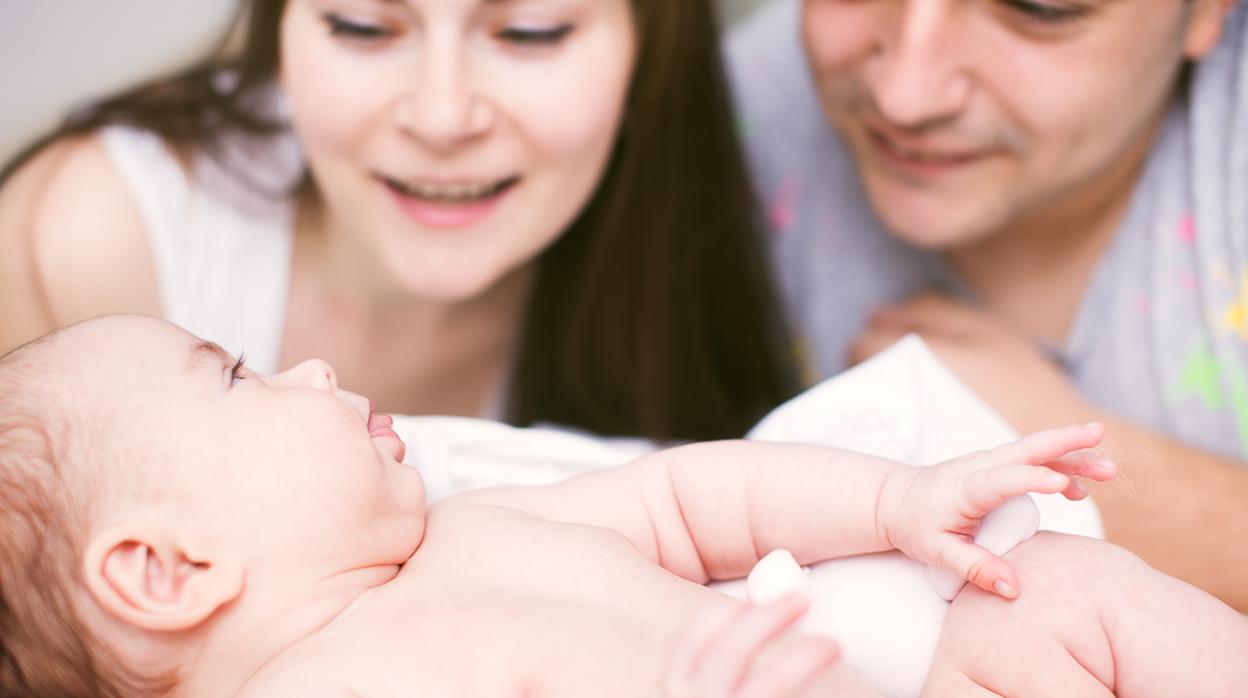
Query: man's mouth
[[451, 193], [922, 157]]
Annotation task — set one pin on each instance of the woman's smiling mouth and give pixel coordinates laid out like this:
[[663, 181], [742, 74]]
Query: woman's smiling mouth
[[449, 204], [451, 192]]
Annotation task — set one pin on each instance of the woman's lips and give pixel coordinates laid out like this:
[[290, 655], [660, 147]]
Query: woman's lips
[[380, 426], [448, 212]]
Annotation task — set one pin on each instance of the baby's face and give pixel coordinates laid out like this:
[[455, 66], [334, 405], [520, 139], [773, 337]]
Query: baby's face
[[280, 470]]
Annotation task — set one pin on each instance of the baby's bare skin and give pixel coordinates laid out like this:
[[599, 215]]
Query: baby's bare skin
[[580, 611], [266, 538], [579, 588]]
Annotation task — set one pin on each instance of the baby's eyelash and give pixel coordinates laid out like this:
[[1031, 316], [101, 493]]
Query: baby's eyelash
[[239, 371]]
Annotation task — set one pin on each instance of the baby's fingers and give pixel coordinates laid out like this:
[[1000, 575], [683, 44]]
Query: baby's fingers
[[981, 568], [716, 654], [985, 490], [1050, 445], [688, 649], [1084, 464], [729, 656], [788, 675]]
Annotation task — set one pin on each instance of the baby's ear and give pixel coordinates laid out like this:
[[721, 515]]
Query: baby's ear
[[141, 574]]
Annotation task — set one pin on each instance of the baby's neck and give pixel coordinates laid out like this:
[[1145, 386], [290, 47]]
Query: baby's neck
[[274, 626]]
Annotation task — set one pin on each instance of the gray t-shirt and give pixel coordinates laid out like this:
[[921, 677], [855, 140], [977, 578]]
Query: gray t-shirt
[[1161, 336]]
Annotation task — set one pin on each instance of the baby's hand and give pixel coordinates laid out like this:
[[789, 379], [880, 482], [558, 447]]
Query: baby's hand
[[933, 513], [717, 656]]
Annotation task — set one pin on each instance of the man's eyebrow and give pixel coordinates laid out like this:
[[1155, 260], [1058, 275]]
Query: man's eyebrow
[[205, 349]]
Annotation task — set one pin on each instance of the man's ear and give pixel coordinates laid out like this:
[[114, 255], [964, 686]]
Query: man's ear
[[141, 574], [1204, 26]]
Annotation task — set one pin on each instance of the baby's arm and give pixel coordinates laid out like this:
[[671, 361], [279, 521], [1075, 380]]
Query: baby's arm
[[710, 511]]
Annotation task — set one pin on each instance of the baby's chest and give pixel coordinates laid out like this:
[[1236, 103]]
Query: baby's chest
[[505, 644], [589, 616]]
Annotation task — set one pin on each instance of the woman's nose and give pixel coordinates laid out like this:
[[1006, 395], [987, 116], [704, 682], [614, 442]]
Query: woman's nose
[[313, 373], [443, 108]]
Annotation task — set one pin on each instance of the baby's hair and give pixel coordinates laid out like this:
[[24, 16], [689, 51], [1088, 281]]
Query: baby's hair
[[46, 648]]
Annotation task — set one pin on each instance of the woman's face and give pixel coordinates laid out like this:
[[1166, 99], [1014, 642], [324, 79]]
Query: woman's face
[[454, 140]]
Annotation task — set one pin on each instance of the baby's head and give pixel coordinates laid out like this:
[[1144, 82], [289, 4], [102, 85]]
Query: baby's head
[[161, 504]]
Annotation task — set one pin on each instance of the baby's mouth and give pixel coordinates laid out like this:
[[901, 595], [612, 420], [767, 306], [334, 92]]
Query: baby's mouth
[[381, 425], [451, 193]]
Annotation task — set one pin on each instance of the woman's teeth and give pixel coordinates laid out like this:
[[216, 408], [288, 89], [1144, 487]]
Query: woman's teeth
[[451, 193]]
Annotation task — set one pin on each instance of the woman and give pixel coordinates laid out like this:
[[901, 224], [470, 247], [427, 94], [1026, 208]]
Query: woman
[[538, 199]]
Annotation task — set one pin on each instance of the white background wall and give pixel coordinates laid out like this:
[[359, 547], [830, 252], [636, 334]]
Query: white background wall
[[58, 53]]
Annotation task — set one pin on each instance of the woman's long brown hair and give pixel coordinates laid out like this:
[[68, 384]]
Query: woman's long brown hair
[[654, 314]]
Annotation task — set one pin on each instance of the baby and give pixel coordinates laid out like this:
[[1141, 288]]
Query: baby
[[176, 525]]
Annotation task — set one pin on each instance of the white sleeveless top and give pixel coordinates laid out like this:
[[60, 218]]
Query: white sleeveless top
[[221, 234], [222, 238]]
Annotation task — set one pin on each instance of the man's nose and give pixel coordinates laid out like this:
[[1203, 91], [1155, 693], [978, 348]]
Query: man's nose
[[917, 76]]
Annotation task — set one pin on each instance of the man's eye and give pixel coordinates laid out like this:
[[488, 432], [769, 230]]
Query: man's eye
[[535, 37], [354, 30], [1041, 12]]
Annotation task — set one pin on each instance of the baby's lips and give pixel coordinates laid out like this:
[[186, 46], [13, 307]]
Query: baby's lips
[[380, 425], [402, 450], [379, 420]]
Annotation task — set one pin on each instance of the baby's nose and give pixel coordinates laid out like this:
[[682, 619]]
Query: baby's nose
[[312, 373]]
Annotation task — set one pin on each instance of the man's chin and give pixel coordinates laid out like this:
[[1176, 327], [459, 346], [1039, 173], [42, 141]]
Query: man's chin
[[932, 228]]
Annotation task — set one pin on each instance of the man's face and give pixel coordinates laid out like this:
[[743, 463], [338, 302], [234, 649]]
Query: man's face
[[971, 117]]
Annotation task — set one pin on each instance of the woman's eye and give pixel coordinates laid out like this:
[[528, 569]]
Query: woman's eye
[[535, 37], [354, 30], [1041, 12]]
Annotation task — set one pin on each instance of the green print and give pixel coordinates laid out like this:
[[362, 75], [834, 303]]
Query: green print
[[1239, 403], [1203, 376]]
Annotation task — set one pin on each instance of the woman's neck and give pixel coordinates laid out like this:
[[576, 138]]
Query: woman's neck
[[354, 280], [410, 354]]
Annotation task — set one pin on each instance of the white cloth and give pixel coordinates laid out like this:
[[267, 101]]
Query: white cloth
[[884, 609], [221, 232]]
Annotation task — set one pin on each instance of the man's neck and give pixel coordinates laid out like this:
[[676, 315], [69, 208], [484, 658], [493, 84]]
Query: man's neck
[[262, 629]]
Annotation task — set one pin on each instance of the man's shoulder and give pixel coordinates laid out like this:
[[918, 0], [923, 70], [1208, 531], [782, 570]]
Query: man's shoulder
[[768, 69], [769, 24], [782, 124]]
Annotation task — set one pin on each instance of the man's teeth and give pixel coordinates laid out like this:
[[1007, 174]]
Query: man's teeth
[[452, 192], [926, 158]]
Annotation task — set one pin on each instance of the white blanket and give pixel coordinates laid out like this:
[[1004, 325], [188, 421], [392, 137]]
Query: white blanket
[[884, 609]]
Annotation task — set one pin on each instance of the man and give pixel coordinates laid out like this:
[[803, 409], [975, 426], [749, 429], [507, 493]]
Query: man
[[1054, 194]]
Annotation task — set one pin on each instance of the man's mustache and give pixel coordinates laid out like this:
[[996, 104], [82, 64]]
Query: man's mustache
[[849, 100]]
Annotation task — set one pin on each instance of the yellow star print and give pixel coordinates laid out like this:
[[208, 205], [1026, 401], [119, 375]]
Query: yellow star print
[[1235, 317]]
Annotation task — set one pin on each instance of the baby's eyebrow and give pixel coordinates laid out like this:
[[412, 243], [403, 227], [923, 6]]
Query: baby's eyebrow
[[205, 349]]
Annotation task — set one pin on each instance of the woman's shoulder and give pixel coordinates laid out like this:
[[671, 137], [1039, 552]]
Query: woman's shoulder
[[72, 242]]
